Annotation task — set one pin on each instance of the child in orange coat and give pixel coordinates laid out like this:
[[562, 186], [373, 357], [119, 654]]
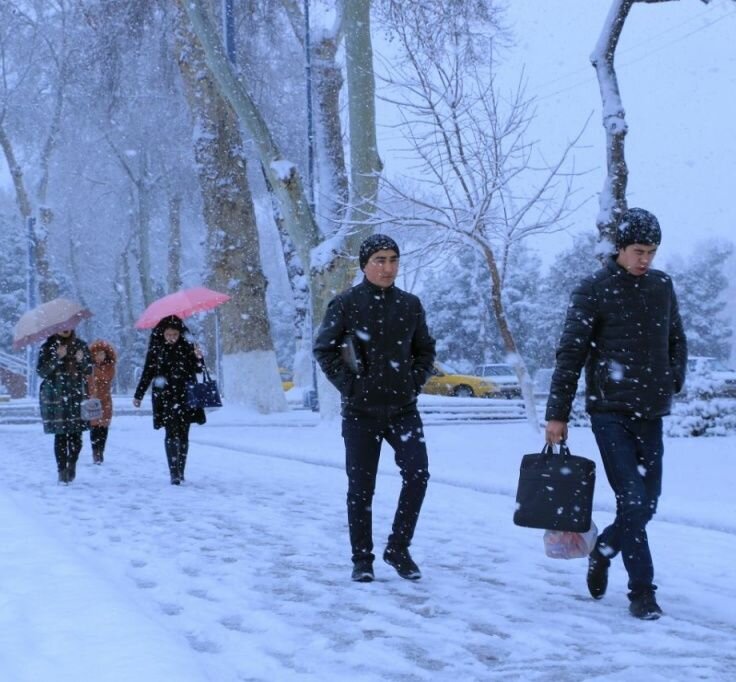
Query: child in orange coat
[[99, 385]]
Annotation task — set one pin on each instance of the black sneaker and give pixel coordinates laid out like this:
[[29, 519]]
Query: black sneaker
[[363, 571], [597, 574], [644, 606], [401, 560]]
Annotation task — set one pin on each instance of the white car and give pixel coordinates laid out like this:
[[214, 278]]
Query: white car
[[543, 378], [502, 376]]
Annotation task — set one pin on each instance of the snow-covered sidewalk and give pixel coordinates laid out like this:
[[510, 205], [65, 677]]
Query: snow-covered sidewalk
[[243, 572]]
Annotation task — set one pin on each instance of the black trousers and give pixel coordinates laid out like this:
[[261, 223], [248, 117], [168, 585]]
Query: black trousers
[[363, 437], [176, 443], [98, 438], [67, 447]]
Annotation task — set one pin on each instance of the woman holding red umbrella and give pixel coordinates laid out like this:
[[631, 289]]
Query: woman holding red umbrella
[[64, 362], [172, 362]]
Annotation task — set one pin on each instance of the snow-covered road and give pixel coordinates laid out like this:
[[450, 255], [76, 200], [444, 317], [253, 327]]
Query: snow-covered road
[[243, 572]]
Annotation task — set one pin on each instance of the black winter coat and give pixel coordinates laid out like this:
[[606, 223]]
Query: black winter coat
[[170, 367], [64, 385], [627, 332], [392, 341]]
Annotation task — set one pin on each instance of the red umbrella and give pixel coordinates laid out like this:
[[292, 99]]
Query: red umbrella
[[46, 319], [182, 304]]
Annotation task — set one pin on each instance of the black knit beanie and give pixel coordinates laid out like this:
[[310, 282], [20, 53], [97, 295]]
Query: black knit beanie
[[638, 226], [376, 242]]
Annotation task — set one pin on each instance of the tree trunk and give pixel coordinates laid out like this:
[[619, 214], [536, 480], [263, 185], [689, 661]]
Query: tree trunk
[[47, 289], [250, 368], [174, 274], [613, 196], [332, 179], [512, 352], [337, 271], [143, 228]]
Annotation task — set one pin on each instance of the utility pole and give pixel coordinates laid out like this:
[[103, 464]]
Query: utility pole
[[31, 302], [313, 400], [310, 114]]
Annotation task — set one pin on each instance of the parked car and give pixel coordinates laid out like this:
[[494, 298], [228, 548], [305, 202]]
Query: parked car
[[446, 381], [711, 376], [543, 378], [503, 376]]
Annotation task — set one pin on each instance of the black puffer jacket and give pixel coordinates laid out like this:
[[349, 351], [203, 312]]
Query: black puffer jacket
[[392, 342], [627, 332]]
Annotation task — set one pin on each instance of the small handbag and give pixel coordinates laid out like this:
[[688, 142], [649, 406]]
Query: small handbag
[[91, 409], [203, 394], [555, 491]]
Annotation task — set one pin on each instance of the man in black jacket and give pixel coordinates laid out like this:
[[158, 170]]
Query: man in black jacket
[[624, 326], [375, 348]]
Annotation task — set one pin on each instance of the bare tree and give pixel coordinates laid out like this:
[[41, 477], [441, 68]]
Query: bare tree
[[31, 43], [479, 180]]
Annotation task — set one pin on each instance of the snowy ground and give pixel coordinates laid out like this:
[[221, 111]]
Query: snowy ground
[[243, 572]]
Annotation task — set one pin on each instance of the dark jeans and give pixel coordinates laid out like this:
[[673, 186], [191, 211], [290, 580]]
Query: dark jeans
[[632, 451], [176, 443], [363, 436], [98, 438], [67, 447]]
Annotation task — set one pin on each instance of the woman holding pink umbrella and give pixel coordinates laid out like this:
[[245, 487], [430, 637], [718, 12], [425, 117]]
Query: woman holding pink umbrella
[[172, 362]]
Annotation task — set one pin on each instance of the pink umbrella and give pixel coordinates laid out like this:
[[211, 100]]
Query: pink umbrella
[[46, 319], [182, 304]]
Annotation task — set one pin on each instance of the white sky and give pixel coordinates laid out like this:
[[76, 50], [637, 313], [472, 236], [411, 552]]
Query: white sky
[[677, 74]]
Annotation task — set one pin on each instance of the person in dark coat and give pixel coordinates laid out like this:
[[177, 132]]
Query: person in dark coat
[[64, 362], [624, 326], [99, 385], [375, 348], [172, 362]]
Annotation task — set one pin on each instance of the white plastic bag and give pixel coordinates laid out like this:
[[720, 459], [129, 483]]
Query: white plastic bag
[[560, 544]]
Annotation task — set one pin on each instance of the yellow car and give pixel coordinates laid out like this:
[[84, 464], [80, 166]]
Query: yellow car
[[287, 379], [445, 381]]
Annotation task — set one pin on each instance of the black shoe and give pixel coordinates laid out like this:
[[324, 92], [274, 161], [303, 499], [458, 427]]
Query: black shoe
[[644, 606], [175, 480], [597, 574], [363, 571], [63, 478], [401, 560]]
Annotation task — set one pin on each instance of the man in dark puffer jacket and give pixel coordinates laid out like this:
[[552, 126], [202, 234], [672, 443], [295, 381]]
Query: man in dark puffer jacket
[[391, 357], [624, 326]]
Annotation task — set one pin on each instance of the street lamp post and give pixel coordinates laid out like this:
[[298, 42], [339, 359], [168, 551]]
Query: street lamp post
[[31, 298]]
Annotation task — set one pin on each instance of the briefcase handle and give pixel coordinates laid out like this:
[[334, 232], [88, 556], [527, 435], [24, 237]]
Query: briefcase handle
[[549, 450]]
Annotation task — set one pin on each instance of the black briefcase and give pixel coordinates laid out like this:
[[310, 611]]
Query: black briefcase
[[555, 491]]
